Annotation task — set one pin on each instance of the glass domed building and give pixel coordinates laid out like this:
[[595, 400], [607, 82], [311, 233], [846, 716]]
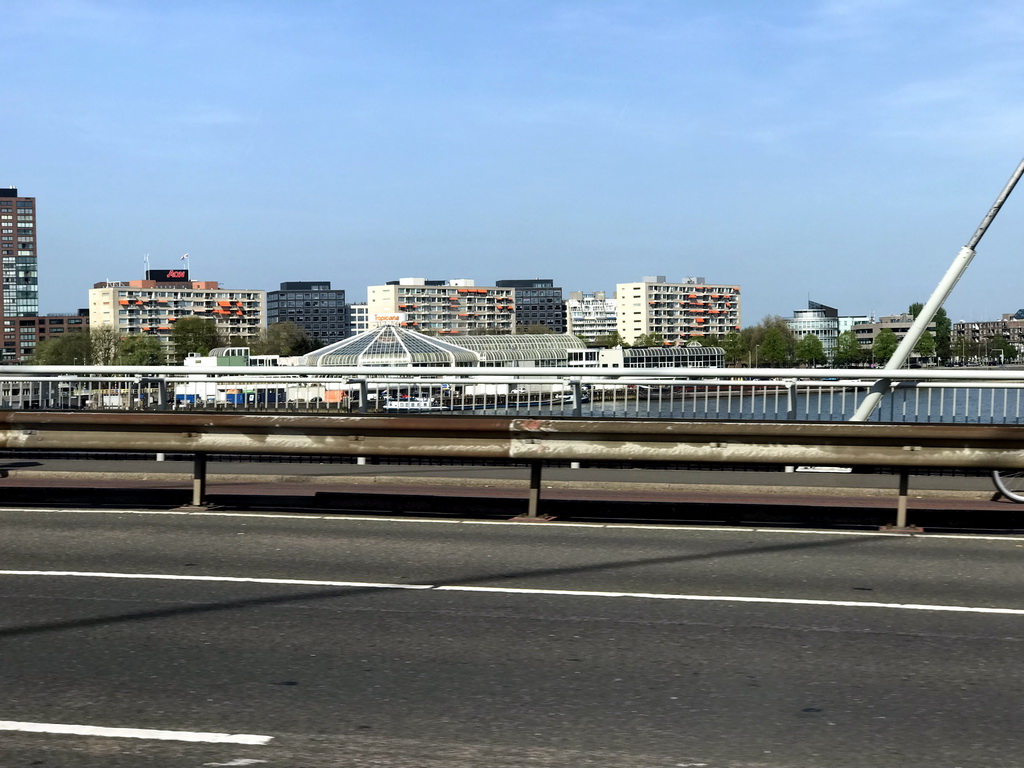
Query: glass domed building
[[391, 345]]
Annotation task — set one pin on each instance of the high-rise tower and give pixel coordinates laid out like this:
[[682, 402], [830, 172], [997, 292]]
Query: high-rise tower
[[18, 251]]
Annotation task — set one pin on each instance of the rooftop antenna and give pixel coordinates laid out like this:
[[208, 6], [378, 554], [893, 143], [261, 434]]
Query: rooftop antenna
[[939, 295]]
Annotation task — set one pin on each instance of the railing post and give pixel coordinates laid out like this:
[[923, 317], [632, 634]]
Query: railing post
[[161, 394], [364, 393], [577, 398]]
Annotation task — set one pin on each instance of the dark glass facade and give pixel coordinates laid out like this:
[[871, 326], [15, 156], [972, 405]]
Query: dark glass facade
[[314, 306], [538, 302]]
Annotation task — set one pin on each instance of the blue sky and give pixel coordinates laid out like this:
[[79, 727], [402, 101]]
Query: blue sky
[[839, 151]]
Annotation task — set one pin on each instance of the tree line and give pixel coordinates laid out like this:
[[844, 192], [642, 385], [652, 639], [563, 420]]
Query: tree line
[[770, 343], [104, 346]]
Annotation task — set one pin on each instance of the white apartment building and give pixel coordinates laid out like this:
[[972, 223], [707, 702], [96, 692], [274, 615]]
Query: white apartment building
[[153, 305], [442, 306], [357, 319], [590, 315], [678, 311]]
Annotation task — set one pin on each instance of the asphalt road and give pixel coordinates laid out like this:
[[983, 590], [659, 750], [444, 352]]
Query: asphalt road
[[307, 642]]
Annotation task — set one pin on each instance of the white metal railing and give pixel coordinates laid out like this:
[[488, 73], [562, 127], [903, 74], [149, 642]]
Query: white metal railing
[[917, 395]]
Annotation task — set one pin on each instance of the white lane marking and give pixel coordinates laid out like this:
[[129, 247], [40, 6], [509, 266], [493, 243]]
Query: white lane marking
[[135, 733], [231, 579], [525, 591], [734, 599]]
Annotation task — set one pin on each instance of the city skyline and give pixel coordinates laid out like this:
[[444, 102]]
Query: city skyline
[[831, 150]]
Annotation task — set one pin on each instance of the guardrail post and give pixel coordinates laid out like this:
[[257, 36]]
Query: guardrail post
[[535, 476], [198, 479], [901, 506]]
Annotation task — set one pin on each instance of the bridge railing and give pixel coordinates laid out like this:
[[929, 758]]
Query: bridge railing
[[971, 395]]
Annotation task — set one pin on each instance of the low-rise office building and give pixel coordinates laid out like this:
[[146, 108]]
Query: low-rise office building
[[23, 334], [538, 303], [313, 306]]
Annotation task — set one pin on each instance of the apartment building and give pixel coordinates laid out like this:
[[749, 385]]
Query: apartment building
[[153, 305], [968, 337], [442, 306], [590, 315], [677, 311]]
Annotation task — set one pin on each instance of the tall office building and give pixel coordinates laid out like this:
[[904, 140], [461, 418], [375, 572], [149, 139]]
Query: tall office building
[[19, 303], [18, 251], [316, 307], [538, 302]]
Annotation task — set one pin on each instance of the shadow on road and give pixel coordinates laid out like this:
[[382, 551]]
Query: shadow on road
[[479, 580]]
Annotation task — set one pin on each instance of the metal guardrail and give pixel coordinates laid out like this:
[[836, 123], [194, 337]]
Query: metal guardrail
[[916, 395], [534, 441]]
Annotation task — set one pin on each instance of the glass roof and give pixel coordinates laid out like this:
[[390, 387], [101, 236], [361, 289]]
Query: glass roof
[[390, 345], [521, 347]]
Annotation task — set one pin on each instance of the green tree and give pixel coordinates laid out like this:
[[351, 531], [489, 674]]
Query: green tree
[[754, 337], [194, 334], [735, 348], [885, 344], [609, 340], [848, 352], [810, 350], [998, 344], [925, 346], [774, 348], [965, 349], [943, 331], [139, 349], [104, 342], [286, 339], [649, 340], [70, 348], [943, 336], [535, 329]]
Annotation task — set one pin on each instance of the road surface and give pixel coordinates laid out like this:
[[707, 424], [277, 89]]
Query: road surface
[[211, 639]]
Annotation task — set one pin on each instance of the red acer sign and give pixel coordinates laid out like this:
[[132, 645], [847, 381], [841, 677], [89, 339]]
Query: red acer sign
[[167, 275]]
